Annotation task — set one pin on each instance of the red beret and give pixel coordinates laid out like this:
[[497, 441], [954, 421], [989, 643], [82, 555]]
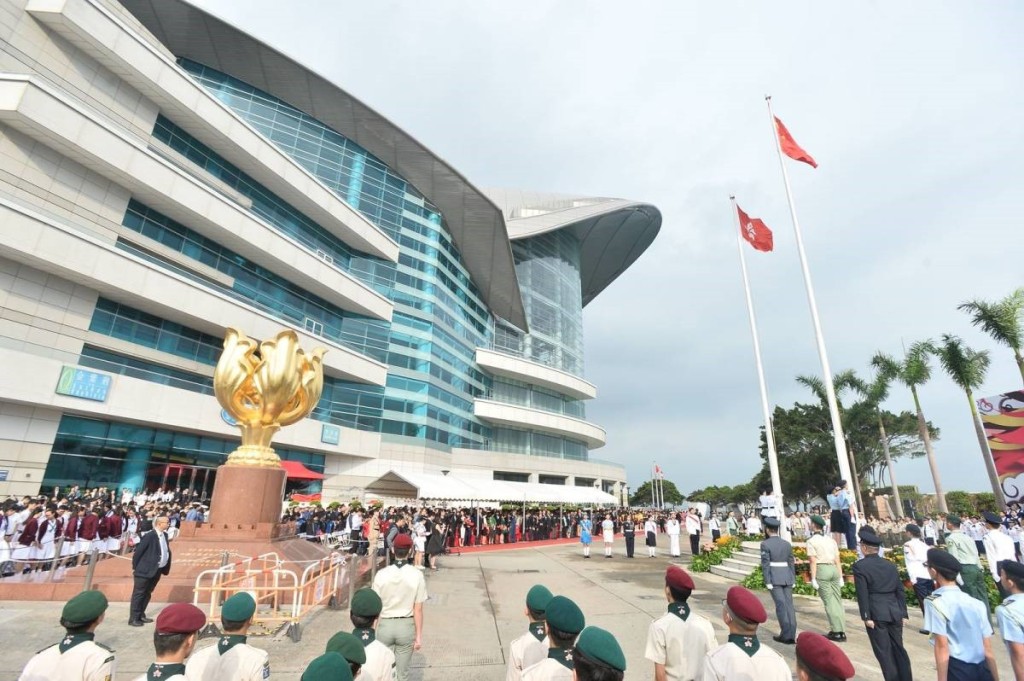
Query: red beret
[[823, 657], [745, 605], [180, 618], [403, 541], [677, 578]]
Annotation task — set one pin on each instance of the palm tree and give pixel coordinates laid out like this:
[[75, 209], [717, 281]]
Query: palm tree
[[1002, 320], [967, 368], [874, 394], [912, 372]]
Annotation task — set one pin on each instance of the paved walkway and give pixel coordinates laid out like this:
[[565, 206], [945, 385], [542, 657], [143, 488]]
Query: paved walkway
[[476, 609]]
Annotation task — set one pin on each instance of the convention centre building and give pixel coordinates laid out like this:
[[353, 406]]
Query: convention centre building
[[165, 176]]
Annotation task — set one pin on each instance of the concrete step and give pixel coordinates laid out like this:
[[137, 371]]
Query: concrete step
[[751, 547], [747, 557], [724, 570], [738, 564]]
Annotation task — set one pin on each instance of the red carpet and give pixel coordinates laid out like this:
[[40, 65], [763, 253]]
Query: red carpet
[[520, 545]]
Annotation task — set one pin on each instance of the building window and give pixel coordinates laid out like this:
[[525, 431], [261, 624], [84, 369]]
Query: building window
[[511, 477], [552, 479]]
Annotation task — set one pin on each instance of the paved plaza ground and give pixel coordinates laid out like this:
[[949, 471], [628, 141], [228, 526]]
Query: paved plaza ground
[[476, 609]]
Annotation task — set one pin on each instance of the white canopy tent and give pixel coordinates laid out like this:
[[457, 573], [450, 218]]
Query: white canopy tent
[[451, 488]]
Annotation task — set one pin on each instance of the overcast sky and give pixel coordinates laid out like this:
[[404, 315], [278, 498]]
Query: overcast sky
[[913, 111]]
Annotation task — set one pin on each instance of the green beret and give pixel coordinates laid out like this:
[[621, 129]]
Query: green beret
[[954, 519], [85, 607], [238, 608], [538, 597], [564, 615], [348, 646], [598, 644], [328, 667], [366, 603], [818, 520]]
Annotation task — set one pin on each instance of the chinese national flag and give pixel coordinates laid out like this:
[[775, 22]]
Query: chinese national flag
[[756, 232], [790, 147]]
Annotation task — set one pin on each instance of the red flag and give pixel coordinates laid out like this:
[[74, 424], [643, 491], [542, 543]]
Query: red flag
[[755, 232], [790, 147]]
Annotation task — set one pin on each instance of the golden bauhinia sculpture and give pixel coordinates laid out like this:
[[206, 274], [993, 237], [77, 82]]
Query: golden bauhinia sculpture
[[265, 386]]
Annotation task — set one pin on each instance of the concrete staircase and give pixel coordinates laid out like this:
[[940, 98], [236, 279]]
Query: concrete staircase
[[742, 562]]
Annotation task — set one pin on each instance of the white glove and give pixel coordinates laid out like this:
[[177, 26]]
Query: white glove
[[770, 587], [814, 583]]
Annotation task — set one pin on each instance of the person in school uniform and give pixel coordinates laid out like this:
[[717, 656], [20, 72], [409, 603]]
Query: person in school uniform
[[817, 658], [77, 656], [651, 536], [963, 549], [608, 534], [402, 590], [743, 658], [531, 647], [959, 626], [177, 630], [349, 647], [327, 667], [915, 555], [1010, 614], [586, 527], [597, 656], [678, 641], [231, 658], [364, 613], [564, 622], [672, 530], [779, 570], [629, 535], [827, 577], [883, 607]]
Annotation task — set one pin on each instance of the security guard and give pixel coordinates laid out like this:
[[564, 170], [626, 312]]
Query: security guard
[[349, 647], [743, 657], [531, 647], [364, 614], [960, 631], [328, 666], [597, 655], [402, 591], [629, 534], [779, 576], [827, 577], [1010, 614], [231, 658], [177, 630], [818, 658], [964, 550], [77, 655], [883, 607], [563, 624], [678, 641]]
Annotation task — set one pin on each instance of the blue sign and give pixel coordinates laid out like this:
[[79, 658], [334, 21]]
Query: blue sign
[[330, 434], [87, 385], [3, 474], [228, 418]]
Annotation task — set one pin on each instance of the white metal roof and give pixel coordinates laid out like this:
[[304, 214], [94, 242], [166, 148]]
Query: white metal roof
[[432, 486]]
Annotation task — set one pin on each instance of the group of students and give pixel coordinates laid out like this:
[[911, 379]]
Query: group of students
[[650, 526]]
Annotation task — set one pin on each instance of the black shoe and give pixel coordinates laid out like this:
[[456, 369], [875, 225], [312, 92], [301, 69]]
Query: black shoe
[[145, 620], [787, 641], [135, 623], [924, 631], [835, 636]]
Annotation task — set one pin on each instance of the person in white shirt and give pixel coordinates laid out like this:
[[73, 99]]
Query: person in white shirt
[[998, 547], [651, 536], [231, 658], [915, 555], [714, 527], [753, 525], [678, 641], [694, 525], [608, 534], [402, 591], [672, 530], [930, 533]]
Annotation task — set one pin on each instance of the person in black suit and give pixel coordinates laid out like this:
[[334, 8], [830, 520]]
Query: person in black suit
[[883, 607], [152, 558]]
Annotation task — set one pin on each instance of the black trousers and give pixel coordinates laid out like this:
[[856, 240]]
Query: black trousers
[[695, 544], [716, 535], [966, 671], [887, 643], [923, 588], [142, 591], [630, 543], [851, 530]]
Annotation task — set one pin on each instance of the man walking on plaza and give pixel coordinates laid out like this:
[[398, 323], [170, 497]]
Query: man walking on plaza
[[915, 555], [963, 549], [743, 656], [678, 641], [883, 607], [827, 577], [1010, 614], [998, 547], [779, 575], [402, 591], [152, 558]]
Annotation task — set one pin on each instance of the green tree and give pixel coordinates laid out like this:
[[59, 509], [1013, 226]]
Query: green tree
[[642, 495], [960, 503], [1002, 320]]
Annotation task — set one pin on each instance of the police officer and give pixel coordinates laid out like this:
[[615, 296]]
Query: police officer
[[678, 641], [779, 575], [597, 655], [531, 647], [819, 658], [330, 666], [402, 591], [77, 655], [564, 623], [177, 630], [959, 626], [743, 656], [364, 614], [883, 607], [231, 658], [964, 550], [1010, 614], [349, 647], [629, 534]]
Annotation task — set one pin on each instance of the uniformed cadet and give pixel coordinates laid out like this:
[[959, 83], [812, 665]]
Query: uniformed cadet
[[349, 647], [629, 534], [827, 577], [402, 591], [231, 658], [597, 657], [177, 630], [743, 657], [563, 624], [998, 546], [1010, 614], [678, 641], [818, 658], [77, 656], [961, 547], [915, 557], [531, 647], [364, 613], [883, 607], [327, 667], [959, 626], [779, 575]]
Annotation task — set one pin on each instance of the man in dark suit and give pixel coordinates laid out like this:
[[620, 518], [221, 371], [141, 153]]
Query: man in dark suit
[[883, 607], [152, 558]]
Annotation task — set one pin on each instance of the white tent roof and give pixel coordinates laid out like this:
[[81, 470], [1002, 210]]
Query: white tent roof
[[449, 488]]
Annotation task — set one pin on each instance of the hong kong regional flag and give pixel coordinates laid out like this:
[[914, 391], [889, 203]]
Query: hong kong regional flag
[[756, 232], [790, 147]]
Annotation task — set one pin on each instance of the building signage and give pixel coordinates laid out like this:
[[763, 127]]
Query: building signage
[[228, 418], [330, 434], [3, 474], [88, 385]]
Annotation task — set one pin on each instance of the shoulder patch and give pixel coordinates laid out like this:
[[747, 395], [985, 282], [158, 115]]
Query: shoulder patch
[[933, 597], [105, 647], [109, 659]]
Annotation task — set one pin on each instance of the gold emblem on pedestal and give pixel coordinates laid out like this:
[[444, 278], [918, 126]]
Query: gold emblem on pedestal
[[265, 386]]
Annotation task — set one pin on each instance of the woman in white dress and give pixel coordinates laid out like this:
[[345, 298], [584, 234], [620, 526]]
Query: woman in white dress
[[131, 528], [419, 542], [672, 530], [47, 537], [608, 534]]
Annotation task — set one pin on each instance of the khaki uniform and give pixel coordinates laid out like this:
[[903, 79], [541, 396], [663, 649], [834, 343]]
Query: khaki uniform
[[680, 645], [961, 547], [77, 657], [551, 668], [380, 663], [400, 588], [239, 662], [825, 552], [164, 672], [730, 662], [526, 651]]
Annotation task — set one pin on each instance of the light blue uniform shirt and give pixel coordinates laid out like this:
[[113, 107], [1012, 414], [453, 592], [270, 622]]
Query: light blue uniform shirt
[[1010, 616], [844, 501], [833, 502], [960, 618]]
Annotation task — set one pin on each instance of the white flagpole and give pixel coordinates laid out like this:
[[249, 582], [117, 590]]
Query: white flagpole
[[826, 370], [769, 433], [654, 501]]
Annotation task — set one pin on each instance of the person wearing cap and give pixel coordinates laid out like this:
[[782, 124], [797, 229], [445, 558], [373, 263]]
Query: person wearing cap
[[177, 630], [531, 647], [678, 641], [915, 555], [827, 577], [743, 656], [779, 576], [364, 613], [151, 559], [402, 590], [883, 607], [563, 623], [963, 549], [959, 625], [349, 647], [629, 535], [1010, 614], [77, 655], [817, 659], [998, 547], [328, 667], [651, 536], [597, 657], [231, 658]]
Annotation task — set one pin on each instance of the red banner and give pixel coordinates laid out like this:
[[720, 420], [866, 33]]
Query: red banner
[[1003, 418]]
